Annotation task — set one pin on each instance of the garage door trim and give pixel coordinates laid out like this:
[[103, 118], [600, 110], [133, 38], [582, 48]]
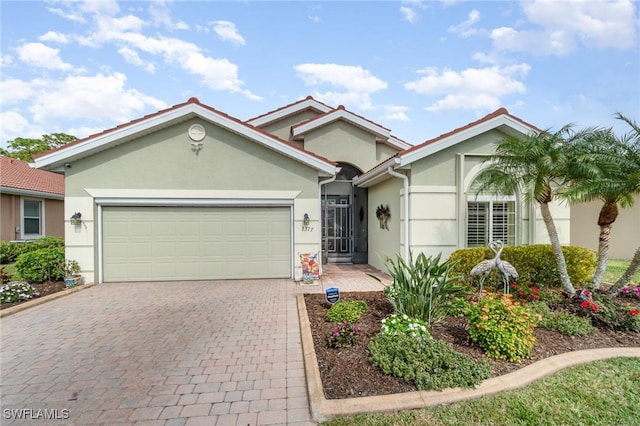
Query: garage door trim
[[168, 202]]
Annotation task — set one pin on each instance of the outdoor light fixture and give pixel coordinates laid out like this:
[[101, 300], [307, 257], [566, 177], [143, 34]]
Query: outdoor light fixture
[[306, 220], [76, 218]]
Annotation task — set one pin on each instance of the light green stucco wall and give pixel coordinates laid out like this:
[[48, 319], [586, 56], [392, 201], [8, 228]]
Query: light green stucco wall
[[164, 160], [343, 142], [383, 152], [385, 243], [282, 127]]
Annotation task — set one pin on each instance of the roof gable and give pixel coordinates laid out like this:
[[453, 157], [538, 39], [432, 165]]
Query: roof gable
[[19, 177], [499, 119], [93, 144], [307, 103]]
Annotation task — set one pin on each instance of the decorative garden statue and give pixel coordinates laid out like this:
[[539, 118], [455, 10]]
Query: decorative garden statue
[[485, 267]]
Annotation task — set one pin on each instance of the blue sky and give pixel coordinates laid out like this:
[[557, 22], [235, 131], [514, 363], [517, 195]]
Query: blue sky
[[420, 68]]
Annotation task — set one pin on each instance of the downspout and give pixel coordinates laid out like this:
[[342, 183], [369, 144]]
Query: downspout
[[320, 185], [405, 184]]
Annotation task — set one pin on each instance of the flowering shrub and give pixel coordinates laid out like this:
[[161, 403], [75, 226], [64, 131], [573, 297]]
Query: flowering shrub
[[343, 335], [523, 293], [402, 324], [17, 291], [631, 291], [502, 327], [604, 310], [562, 322]]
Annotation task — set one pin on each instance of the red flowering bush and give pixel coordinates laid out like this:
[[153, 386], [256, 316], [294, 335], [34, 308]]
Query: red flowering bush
[[525, 294]]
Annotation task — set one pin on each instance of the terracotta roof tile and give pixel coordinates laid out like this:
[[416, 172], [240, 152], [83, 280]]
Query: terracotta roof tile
[[340, 107], [496, 113], [308, 98], [18, 174], [191, 100]]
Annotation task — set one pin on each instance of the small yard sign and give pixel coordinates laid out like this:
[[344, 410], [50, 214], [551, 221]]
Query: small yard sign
[[332, 295]]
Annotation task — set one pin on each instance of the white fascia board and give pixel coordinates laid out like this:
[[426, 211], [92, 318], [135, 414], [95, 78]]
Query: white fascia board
[[375, 175], [197, 202], [66, 154], [290, 110], [30, 193], [397, 143], [345, 115], [202, 194], [502, 120]]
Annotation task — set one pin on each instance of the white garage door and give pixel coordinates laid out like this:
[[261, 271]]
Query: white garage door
[[195, 243]]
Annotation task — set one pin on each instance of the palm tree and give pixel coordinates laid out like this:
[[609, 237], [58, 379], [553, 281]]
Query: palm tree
[[601, 167], [535, 167]]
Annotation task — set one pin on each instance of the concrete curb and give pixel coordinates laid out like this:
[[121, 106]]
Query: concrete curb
[[40, 300], [323, 409]]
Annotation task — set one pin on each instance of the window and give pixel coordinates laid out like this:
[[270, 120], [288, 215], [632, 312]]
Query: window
[[491, 220], [31, 218]]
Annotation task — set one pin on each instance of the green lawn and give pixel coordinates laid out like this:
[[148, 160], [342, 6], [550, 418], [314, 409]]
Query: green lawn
[[599, 393], [615, 269]]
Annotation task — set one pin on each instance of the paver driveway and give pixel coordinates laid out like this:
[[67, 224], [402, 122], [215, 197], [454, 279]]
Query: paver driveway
[[211, 353]]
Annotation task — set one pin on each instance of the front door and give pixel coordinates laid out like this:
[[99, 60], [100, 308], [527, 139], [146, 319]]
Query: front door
[[337, 218]]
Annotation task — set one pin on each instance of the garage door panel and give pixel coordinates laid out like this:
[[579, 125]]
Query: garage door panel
[[189, 243]]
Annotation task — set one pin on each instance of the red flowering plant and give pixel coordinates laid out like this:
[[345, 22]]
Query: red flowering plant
[[606, 311], [587, 300], [343, 335], [524, 294]]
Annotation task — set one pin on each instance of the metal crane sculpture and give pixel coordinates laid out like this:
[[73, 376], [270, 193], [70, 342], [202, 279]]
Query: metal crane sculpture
[[485, 267]]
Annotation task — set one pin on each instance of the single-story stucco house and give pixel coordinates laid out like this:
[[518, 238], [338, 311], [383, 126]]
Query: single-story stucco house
[[191, 193], [31, 201]]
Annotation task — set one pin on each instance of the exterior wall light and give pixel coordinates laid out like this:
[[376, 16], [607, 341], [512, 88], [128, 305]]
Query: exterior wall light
[[306, 220], [76, 218]]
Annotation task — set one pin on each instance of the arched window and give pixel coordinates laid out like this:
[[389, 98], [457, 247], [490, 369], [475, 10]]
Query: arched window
[[490, 217]]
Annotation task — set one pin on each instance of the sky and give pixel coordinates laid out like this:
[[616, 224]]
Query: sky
[[419, 68]]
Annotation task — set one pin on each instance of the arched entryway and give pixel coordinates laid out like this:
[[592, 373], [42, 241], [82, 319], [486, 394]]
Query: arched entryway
[[344, 218]]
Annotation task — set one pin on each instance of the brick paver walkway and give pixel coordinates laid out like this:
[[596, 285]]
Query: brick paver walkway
[[180, 353]]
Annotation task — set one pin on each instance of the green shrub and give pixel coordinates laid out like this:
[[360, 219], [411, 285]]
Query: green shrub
[[41, 265], [562, 322], [421, 288], [17, 292], [346, 311], [429, 364], [401, 324], [10, 250], [502, 327], [536, 265]]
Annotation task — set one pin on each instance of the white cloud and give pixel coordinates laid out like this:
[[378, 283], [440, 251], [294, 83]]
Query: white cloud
[[227, 31], [465, 28], [92, 98], [395, 112], [161, 15], [13, 125], [14, 90], [472, 88], [409, 10], [6, 60], [132, 57], [54, 37], [357, 84], [565, 24], [41, 56]]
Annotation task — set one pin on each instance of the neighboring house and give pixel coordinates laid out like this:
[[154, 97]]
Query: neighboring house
[[625, 234], [192, 193], [31, 201]]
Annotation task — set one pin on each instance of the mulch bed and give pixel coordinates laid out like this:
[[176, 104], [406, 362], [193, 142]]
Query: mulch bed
[[347, 373], [44, 289]]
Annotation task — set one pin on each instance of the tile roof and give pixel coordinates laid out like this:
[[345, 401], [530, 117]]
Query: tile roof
[[192, 100], [494, 114], [290, 106], [18, 174]]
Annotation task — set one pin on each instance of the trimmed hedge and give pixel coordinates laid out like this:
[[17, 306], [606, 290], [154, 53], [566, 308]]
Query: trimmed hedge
[[536, 265], [10, 250]]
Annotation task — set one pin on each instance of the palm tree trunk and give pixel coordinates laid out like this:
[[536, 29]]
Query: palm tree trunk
[[603, 255], [634, 266], [608, 215], [557, 249]]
